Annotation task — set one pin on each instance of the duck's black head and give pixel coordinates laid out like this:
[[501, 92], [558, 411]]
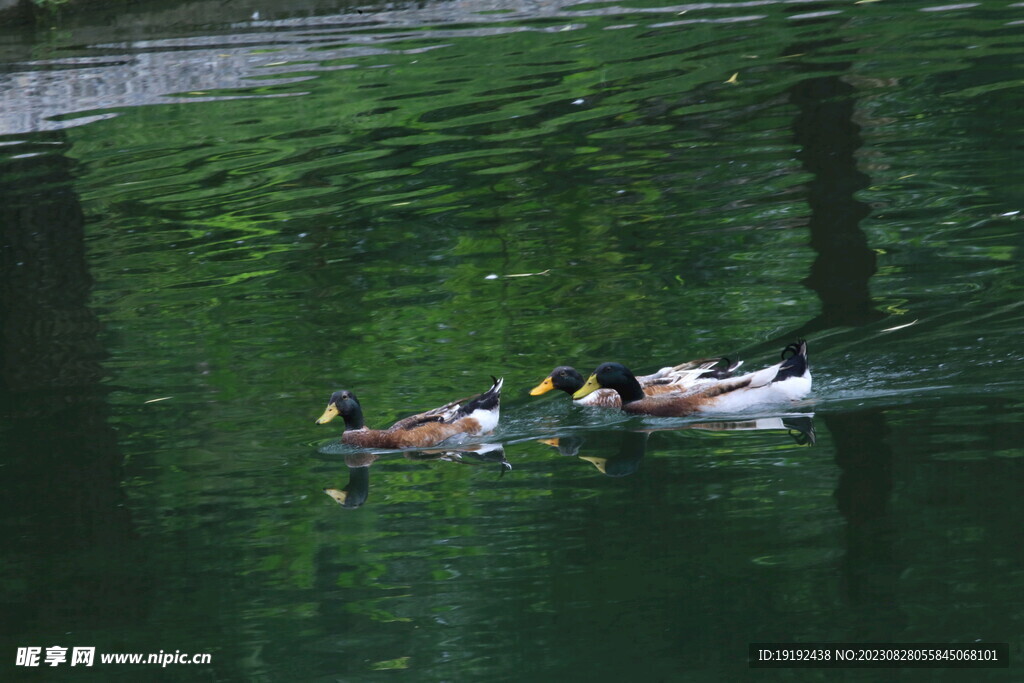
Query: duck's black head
[[613, 376], [566, 378], [346, 404]]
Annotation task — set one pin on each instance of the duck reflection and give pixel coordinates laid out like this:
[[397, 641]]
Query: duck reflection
[[628, 458], [355, 493], [633, 445], [799, 427], [565, 445], [357, 490], [484, 453], [625, 462]]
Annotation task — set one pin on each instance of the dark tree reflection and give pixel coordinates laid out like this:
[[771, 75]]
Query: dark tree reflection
[[61, 458], [840, 275]]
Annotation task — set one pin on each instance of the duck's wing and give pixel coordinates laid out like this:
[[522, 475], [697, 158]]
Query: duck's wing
[[442, 414], [792, 366], [452, 411], [669, 373], [723, 369], [691, 372]]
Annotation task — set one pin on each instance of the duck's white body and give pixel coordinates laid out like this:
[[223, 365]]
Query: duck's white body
[[756, 388], [785, 391], [488, 418]]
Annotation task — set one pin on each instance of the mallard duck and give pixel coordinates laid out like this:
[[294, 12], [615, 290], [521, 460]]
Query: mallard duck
[[668, 379], [782, 382], [476, 415]]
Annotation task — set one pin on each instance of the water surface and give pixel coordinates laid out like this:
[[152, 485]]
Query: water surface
[[211, 222]]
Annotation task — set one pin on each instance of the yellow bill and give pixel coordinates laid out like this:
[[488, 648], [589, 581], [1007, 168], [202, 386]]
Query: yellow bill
[[338, 495], [543, 388], [590, 387], [329, 414], [549, 442], [599, 463]]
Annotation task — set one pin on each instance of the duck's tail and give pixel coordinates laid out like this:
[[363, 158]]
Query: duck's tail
[[487, 401], [483, 409], [796, 365]]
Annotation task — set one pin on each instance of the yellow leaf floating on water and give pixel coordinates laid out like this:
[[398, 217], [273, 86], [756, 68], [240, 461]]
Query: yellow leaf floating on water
[[734, 79], [391, 664]]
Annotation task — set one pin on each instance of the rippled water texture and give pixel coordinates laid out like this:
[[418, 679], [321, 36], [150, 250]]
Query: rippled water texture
[[212, 218]]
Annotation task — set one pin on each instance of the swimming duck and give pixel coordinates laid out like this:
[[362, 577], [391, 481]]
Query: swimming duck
[[785, 381], [667, 379], [475, 415]]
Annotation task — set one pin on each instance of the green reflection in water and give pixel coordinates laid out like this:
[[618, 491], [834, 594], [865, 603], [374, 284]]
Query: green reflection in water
[[249, 256]]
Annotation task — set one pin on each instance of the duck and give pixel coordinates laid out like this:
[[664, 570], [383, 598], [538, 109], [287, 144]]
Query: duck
[[668, 379], [786, 381], [466, 416]]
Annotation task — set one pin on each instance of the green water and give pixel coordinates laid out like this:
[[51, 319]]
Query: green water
[[211, 224]]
